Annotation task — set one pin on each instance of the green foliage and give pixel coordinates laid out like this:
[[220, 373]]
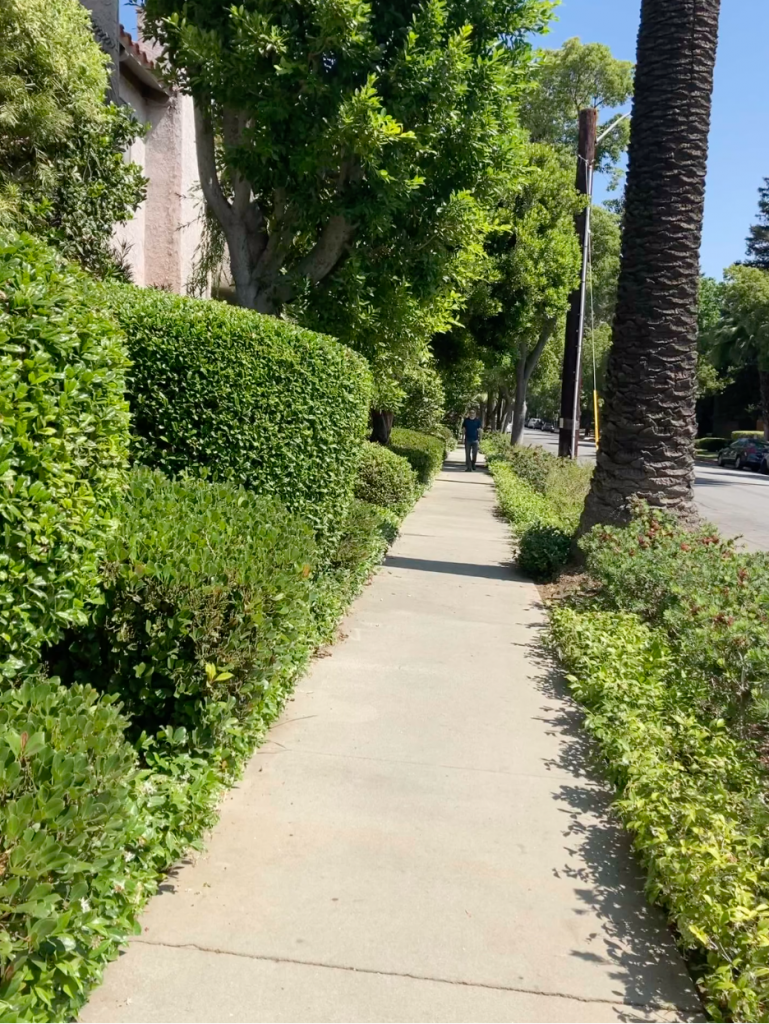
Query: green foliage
[[758, 240], [543, 543], [69, 822], [541, 496], [569, 80], [737, 434], [423, 406], [461, 374], [691, 794], [710, 444], [207, 596], [245, 397], [710, 600], [385, 479], [63, 445], [62, 172], [353, 167], [425, 453]]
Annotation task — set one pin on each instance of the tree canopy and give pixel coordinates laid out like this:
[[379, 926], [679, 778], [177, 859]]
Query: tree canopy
[[758, 239], [570, 79]]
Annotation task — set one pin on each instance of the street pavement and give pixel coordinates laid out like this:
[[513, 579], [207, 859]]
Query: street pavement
[[736, 501], [422, 837]]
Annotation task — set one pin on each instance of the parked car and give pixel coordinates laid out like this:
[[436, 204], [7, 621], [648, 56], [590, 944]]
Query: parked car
[[549, 427], [533, 423], [745, 452]]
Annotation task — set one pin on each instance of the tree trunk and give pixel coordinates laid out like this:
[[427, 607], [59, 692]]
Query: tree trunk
[[647, 438], [763, 380], [381, 425], [519, 409], [527, 364]]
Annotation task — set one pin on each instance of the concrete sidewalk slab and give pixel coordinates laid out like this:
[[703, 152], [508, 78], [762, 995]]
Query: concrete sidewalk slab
[[421, 838]]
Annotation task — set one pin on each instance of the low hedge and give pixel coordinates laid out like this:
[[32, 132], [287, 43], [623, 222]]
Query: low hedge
[[250, 398], [385, 479], [425, 452], [711, 444], [541, 496], [206, 611], [63, 445], [691, 793], [543, 542], [710, 599], [737, 434]]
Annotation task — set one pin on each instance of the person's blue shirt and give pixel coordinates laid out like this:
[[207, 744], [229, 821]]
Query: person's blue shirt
[[472, 430]]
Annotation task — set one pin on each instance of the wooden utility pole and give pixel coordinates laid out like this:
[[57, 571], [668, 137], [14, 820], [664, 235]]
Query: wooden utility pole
[[568, 426]]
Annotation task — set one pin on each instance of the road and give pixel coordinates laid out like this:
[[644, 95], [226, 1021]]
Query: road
[[737, 502]]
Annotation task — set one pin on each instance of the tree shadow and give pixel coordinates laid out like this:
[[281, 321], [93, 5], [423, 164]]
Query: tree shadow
[[607, 877]]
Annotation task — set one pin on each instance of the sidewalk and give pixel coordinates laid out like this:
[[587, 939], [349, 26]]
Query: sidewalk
[[421, 838]]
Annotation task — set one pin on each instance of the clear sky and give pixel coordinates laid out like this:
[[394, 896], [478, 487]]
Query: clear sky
[[739, 141]]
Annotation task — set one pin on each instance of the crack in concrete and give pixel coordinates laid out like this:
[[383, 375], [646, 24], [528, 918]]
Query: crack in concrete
[[588, 783], [662, 1007]]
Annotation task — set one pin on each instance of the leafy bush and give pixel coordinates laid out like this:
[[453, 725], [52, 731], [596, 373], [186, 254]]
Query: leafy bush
[[207, 610], [543, 543], [425, 453], [63, 445], [711, 601], [692, 794], [385, 479], [710, 444], [251, 398], [737, 434], [68, 825], [447, 435], [423, 405]]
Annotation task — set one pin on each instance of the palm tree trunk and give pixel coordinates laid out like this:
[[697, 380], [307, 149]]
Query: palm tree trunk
[[647, 439]]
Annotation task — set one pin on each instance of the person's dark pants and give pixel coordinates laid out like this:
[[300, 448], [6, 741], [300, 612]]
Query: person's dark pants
[[471, 454]]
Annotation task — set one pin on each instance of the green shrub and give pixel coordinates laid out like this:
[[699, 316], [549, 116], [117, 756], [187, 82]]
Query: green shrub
[[543, 542], [711, 601], [206, 614], [385, 479], [710, 444], [251, 398], [692, 795], [425, 453], [63, 445], [423, 406], [449, 438], [69, 825], [737, 434]]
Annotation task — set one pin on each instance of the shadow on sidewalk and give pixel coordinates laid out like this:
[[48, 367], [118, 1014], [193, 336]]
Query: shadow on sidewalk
[[606, 874], [488, 572]]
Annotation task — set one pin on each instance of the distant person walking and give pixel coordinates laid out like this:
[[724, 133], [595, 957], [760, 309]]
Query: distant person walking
[[472, 429]]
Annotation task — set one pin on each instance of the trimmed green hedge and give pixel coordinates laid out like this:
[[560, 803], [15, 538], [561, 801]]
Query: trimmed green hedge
[[710, 444], [385, 479], [542, 497], [250, 398], [63, 445], [425, 452], [207, 607], [737, 434]]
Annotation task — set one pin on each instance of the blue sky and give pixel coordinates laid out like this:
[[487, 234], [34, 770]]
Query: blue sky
[[739, 141]]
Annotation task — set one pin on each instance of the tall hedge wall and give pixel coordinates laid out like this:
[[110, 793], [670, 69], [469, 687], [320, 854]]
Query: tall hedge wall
[[63, 445], [253, 399]]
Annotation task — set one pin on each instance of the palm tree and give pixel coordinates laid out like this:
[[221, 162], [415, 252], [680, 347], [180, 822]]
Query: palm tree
[[647, 441]]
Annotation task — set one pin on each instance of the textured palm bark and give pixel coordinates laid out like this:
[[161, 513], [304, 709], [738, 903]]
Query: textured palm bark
[[647, 439]]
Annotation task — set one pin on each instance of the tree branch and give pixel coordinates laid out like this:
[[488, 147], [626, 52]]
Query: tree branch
[[209, 177], [533, 358], [327, 251]]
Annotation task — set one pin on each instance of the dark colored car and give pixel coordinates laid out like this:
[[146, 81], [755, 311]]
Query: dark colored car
[[746, 452]]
